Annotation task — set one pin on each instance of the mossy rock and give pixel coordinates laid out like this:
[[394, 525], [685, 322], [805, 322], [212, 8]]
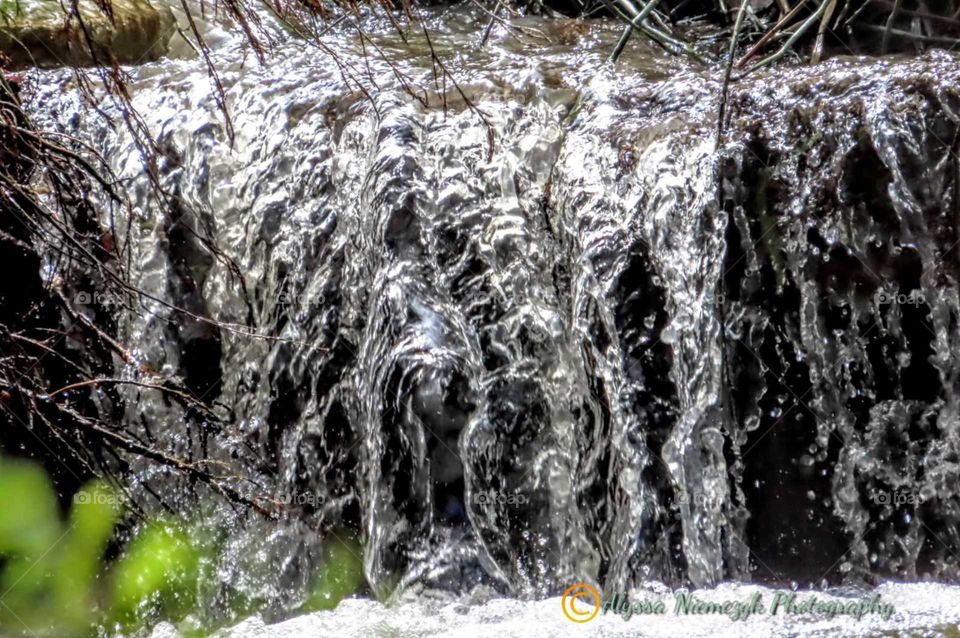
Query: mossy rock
[[40, 33]]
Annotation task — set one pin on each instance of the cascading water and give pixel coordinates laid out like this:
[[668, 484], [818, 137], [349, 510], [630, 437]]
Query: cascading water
[[539, 329]]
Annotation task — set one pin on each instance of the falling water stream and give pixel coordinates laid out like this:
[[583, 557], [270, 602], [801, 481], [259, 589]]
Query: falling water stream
[[523, 323]]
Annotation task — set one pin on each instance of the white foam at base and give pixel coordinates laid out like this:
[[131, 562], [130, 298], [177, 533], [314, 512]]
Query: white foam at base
[[927, 608]]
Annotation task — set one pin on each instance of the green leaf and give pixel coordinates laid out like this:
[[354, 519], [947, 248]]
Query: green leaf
[[341, 576], [92, 519], [157, 575]]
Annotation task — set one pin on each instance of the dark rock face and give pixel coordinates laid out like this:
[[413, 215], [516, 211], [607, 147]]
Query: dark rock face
[[43, 347]]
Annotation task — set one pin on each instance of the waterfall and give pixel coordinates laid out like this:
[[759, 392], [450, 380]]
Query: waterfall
[[534, 327]]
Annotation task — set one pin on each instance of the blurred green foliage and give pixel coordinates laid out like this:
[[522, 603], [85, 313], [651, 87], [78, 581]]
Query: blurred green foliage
[[54, 580], [340, 576]]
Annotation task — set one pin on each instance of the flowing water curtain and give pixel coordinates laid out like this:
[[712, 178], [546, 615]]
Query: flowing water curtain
[[838, 249], [649, 257]]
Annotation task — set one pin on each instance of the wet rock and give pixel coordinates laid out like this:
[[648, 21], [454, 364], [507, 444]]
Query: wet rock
[[39, 33]]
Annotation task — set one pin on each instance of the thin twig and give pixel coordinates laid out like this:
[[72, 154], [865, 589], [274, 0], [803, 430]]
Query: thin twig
[[624, 38], [821, 33], [810, 21], [728, 71], [769, 35], [890, 21], [493, 18]]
